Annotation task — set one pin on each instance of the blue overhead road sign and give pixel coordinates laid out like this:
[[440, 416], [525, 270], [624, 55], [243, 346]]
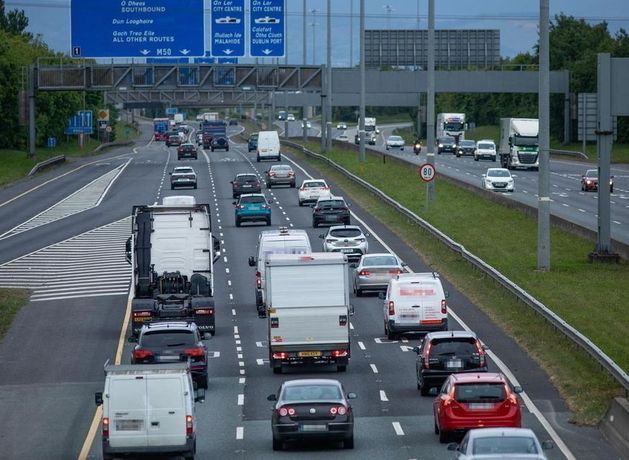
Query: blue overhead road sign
[[228, 28], [132, 28], [267, 28]]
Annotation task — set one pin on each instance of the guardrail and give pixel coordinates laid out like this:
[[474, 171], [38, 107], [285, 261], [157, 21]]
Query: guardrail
[[46, 163], [574, 335], [574, 153]]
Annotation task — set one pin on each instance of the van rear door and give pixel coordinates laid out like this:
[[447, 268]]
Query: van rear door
[[166, 410], [418, 302], [126, 408]]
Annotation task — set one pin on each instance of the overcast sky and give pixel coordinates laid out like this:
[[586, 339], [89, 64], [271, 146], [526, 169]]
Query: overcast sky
[[516, 20]]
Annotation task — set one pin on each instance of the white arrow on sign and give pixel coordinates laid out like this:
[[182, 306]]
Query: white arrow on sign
[[145, 52], [228, 51], [267, 51], [184, 52]]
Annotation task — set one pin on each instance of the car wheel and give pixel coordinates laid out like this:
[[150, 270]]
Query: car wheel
[[279, 158], [401, 148], [346, 221], [237, 222], [436, 428], [258, 158], [444, 437], [172, 187], [476, 158], [300, 203], [423, 389], [292, 185], [108, 457], [277, 444], [315, 224], [227, 149], [268, 221], [493, 159], [349, 443], [277, 370], [341, 368], [611, 189], [212, 149], [195, 186], [234, 196], [391, 335], [203, 383], [359, 292]]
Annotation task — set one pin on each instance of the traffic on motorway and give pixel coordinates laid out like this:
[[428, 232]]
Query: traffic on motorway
[[267, 312]]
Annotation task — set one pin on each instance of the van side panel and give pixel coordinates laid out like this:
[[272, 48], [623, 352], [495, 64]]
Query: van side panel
[[268, 145], [125, 405], [167, 411]]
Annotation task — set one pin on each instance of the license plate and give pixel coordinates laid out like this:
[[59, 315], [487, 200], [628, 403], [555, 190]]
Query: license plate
[[454, 364], [309, 354], [246, 186], [141, 319], [313, 197], [314, 428], [129, 425], [168, 358], [408, 316], [330, 217], [481, 406], [347, 250]]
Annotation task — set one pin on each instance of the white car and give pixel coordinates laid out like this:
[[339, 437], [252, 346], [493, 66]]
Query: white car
[[503, 443], [199, 138], [308, 125], [395, 142], [498, 179], [313, 189], [341, 126], [290, 117], [485, 149], [342, 137], [348, 239]]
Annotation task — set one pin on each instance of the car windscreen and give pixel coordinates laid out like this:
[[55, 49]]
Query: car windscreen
[[446, 140], [525, 141], [453, 347], [395, 138], [281, 168], [486, 146], [252, 199], [499, 173], [249, 178], [591, 173], [345, 233], [504, 445], [468, 144], [311, 393], [184, 171], [379, 260], [416, 290], [166, 339], [479, 392], [314, 184]]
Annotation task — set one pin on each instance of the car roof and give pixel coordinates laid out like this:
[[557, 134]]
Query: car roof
[[468, 140], [486, 140], [416, 276], [330, 198], [592, 171], [169, 325], [313, 180], [450, 334], [281, 166], [298, 382], [187, 143], [253, 194], [493, 432], [340, 227], [246, 174], [179, 168], [498, 169], [479, 377]]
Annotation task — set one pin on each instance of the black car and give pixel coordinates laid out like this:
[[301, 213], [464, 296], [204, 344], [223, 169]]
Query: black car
[[169, 342], [330, 210], [312, 409], [233, 122], [445, 353], [187, 151], [245, 183], [446, 144], [466, 148]]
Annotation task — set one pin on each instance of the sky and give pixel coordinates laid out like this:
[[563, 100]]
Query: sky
[[516, 20]]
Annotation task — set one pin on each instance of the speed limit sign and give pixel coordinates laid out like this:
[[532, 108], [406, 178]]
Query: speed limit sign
[[427, 172]]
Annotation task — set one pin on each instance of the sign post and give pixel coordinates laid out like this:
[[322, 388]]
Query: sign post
[[228, 28], [267, 28], [427, 173]]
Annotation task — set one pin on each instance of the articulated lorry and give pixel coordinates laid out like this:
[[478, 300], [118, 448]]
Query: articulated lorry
[[172, 252], [519, 143], [214, 135], [160, 129], [308, 309], [451, 124], [371, 131]]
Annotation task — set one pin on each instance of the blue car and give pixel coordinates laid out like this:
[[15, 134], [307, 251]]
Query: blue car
[[253, 207], [252, 144]]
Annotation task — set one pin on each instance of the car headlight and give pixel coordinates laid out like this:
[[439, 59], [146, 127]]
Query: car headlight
[[440, 145]]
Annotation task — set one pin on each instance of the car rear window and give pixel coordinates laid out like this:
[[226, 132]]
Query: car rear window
[[504, 445], [346, 233], [311, 393], [285, 247], [468, 144], [280, 168], [379, 260], [252, 199], [451, 346], [479, 392], [249, 178], [447, 140], [314, 184], [331, 204], [165, 339]]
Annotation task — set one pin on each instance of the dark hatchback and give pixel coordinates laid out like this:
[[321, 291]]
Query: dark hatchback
[[245, 183], [187, 151], [330, 210], [173, 140], [446, 144], [466, 148], [445, 353], [169, 342], [312, 409]]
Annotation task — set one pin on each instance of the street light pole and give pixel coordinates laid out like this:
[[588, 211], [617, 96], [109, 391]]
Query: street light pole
[[314, 46], [328, 118], [430, 102], [361, 119], [305, 45]]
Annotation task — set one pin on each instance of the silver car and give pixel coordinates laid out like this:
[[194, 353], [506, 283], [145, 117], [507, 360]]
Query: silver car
[[348, 239], [374, 271], [503, 443], [280, 175]]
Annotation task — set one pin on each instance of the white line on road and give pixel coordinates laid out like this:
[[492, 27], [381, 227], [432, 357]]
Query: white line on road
[[374, 368], [234, 311], [240, 432], [238, 348], [241, 364], [398, 428], [361, 345], [241, 399], [236, 336], [383, 396], [581, 210], [225, 259], [235, 329], [616, 222], [240, 356], [241, 380], [260, 362], [351, 326], [259, 344]]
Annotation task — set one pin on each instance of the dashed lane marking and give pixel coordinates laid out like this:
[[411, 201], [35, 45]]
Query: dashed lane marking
[[383, 396], [398, 428]]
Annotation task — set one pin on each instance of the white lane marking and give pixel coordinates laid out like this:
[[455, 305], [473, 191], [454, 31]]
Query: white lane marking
[[242, 372], [237, 342], [398, 428], [241, 399], [406, 348], [238, 349], [225, 259], [361, 345], [565, 204], [241, 364], [581, 210], [236, 336], [259, 344], [383, 396], [260, 362], [235, 329], [239, 356], [227, 271], [374, 368], [233, 311], [241, 380], [616, 222], [240, 432], [231, 296], [229, 282]]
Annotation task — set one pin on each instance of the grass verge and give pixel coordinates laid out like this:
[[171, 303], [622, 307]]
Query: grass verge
[[574, 289], [11, 300]]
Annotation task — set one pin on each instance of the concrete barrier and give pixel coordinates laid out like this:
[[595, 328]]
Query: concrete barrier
[[46, 163], [615, 426]]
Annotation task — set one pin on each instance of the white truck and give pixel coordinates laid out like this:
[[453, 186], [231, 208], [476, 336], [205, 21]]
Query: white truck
[[308, 309], [178, 118], [371, 131], [519, 143], [210, 116], [451, 124], [172, 252]]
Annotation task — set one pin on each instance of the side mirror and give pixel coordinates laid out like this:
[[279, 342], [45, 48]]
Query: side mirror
[[252, 261], [231, 182], [352, 396], [446, 294], [132, 339], [381, 295], [270, 201], [351, 310], [98, 398], [484, 175], [234, 203], [200, 396], [417, 350], [170, 174], [547, 444], [517, 389], [453, 446], [272, 397], [322, 236], [127, 250], [403, 264]]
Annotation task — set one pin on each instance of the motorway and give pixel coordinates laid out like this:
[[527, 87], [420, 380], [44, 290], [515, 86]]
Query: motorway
[[72, 258]]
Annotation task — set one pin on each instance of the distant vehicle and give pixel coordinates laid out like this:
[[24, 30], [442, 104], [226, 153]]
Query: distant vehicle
[[443, 353], [485, 149], [171, 342], [342, 138], [347, 239], [199, 138], [245, 183], [183, 176], [417, 147], [446, 144], [252, 207], [280, 175], [451, 124], [215, 135], [227, 20], [498, 179], [160, 129], [374, 271], [519, 143], [371, 131], [173, 140], [290, 117], [465, 147], [267, 20], [307, 124], [589, 181], [395, 142], [295, 418], [330, 210], [252, 143], [476, 400], [503, 443], [148, 409], [187, 150], [404, 293], [341, 125], [233, 122], [311, 190], [268, 147], [178, 118], [281, 116]]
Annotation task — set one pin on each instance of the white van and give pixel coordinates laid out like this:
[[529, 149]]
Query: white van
[[268, 146], [280, 241], [148, 409], [415, 303]]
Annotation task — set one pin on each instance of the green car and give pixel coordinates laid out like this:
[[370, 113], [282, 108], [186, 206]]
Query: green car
[[253, 142], [252, 207]]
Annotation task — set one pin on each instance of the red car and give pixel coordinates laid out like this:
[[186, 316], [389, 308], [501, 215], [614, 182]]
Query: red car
[[589, 181], [478, 400]]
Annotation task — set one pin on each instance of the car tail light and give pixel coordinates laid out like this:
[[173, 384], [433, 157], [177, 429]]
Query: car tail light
[[105, 433], [275, 323], [280, 355], [142, 354], [395, 271], [330, 240], [317, 209], [360, 240], [512, 400], [364, 273], [426, 357], [284, 411], [342, 320], [391, 307], [258, 280], [444, 307], [196, 352], [291, 174], [339, 353], [204, 311], [344, 208], [338, 410], [142, 314], [242, 206], [481, 353], [236, 184], [189, 425]]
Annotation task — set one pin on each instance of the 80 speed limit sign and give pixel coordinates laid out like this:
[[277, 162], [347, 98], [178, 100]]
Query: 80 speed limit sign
[[427, 172]]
